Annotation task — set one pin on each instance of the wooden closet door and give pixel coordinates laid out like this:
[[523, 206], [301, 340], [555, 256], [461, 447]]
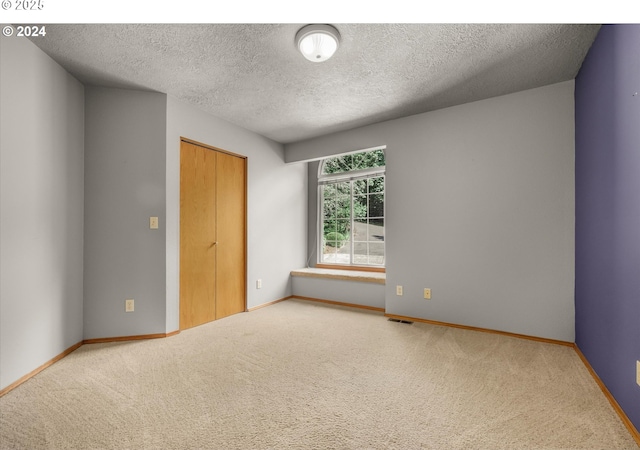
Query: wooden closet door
[[231, 226], [212, 234], [197, 235]]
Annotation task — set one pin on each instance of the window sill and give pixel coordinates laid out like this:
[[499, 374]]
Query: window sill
[[354, 267], [349, 275]]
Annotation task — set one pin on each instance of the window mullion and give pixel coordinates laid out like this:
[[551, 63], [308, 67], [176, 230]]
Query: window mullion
[[320, 240], [353, 226]]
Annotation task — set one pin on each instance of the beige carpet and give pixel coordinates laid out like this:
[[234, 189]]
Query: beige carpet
[[311, 376]]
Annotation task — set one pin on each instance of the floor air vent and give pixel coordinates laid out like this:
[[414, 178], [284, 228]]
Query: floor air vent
[[391, 319]]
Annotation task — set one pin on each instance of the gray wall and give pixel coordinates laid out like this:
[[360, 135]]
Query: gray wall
[[41, 209], [277, 205], [312, 225], [346, 291], [480, 208], [124, 186]]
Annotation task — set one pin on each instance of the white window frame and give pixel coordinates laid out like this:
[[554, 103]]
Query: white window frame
[[351, 176]]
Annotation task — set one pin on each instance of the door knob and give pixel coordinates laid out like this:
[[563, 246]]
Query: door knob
[[213, 243]]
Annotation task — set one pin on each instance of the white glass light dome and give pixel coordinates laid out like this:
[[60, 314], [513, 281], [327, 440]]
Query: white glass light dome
[[318, 43]]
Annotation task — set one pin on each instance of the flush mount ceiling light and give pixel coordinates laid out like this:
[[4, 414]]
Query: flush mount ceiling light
[[317, 43]]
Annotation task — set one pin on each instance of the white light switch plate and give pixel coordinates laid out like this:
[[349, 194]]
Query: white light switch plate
[[153, 223]]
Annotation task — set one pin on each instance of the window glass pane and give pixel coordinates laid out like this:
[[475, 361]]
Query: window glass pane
[[359, 187], [376, 184], [333, 243], [373, 158], [333, 165], [328, 226], [360, 230], [343, 206], [343, 227], [343, 188], [376, 230], [329, 190], [334, 248], [376, 253], [360, 206], [329, 209], [379, 157], [343, 253], [360, 253], [346, 163], [359, 161], [376, 205], [329, 257]]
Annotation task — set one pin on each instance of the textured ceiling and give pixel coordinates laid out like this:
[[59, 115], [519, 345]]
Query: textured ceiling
[[253, 76]]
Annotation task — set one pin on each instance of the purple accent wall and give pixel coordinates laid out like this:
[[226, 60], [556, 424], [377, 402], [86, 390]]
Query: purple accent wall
[[607, 95]]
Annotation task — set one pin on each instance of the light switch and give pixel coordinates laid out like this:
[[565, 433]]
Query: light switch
[[153, 223]]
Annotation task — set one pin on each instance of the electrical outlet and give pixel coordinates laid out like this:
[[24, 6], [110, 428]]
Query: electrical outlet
[[638, 372], [128, 305], [427, 293], [398, 290], [153, 223], [259, 284]]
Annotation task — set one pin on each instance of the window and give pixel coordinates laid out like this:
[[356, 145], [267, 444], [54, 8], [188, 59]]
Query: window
[[351, 209]]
